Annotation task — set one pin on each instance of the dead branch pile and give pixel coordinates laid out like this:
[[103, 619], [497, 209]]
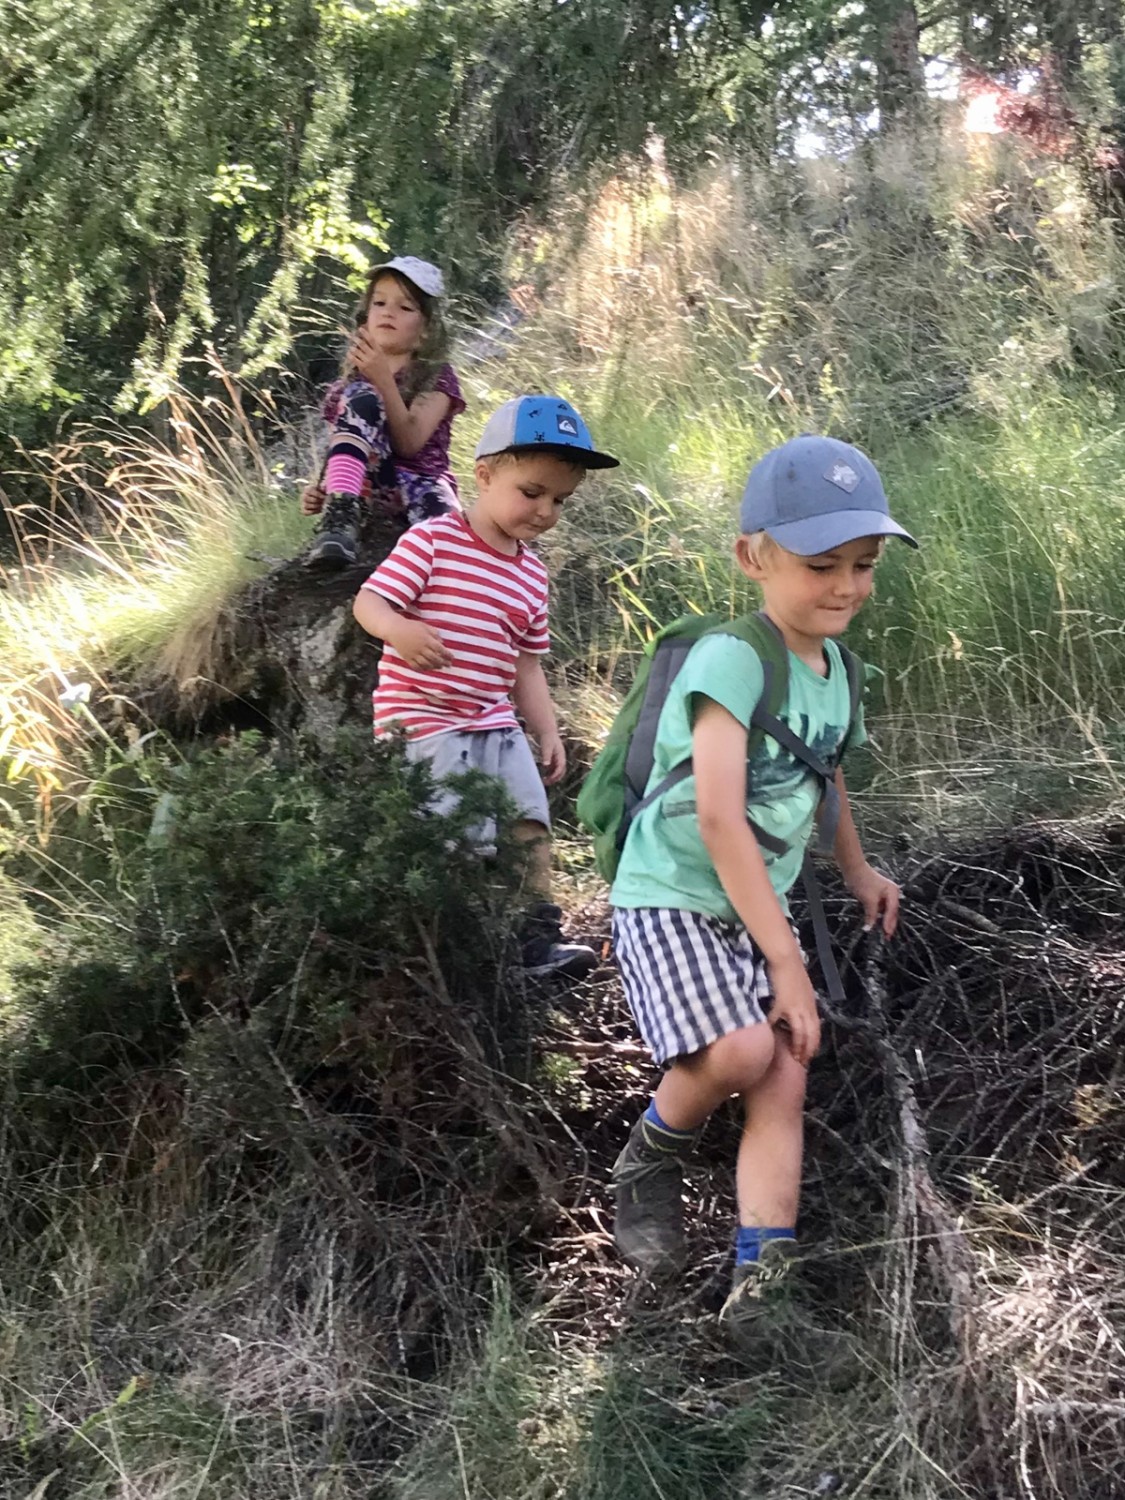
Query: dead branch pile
[[965, 1181]]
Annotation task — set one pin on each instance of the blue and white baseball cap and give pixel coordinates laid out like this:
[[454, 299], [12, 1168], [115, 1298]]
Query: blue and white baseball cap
[[426, 277], [542, 422], [816, 493]]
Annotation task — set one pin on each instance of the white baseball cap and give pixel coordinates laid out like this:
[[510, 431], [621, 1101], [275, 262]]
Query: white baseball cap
[[426, 277]]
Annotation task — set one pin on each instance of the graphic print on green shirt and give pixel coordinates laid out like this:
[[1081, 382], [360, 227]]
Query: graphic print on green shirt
[[665, 862]]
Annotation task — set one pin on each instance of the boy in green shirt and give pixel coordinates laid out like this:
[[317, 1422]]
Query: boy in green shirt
[[710, 962]]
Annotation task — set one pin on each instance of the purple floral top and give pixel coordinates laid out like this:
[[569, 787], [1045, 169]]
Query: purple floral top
[[432, 459]]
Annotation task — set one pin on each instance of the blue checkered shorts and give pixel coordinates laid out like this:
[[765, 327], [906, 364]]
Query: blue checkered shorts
[[689, 979]]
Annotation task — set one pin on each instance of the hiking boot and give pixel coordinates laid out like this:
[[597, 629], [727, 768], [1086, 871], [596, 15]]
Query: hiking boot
[[649, 1188], [761, 1290], [334, 545], [765, 1319], [544, 950]]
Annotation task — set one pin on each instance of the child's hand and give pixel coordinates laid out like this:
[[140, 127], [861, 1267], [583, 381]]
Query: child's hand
[[552, 757], [794, 1008], [312, 498], [368, 360], [420, 646], [878, 896]]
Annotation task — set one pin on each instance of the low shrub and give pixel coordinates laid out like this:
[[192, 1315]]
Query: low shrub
[[258, 906]]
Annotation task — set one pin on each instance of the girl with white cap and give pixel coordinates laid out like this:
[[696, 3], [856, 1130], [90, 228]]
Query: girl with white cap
[[390, 414]]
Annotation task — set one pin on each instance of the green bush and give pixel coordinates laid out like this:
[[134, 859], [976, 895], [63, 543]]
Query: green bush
[[257, 899]]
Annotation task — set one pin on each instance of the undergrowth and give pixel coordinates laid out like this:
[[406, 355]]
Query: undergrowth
[[253, 1062], [294, 1208]]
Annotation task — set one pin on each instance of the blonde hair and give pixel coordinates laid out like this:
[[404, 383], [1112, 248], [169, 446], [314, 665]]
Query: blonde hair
[[761, 546]]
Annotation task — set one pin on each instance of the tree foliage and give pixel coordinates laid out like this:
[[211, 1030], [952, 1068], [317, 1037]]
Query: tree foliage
[[178, 172], [198, 170]]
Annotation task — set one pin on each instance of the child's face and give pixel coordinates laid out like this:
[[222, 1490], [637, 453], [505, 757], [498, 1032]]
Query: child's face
[[395, 320], [524, 498], [813, 597]]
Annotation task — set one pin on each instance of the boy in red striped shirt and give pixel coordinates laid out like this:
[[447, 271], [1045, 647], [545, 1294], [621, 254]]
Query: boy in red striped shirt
[[461, 608]]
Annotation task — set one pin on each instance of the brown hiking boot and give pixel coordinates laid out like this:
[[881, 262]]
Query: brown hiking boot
[[648, 1185], [761, 1290]]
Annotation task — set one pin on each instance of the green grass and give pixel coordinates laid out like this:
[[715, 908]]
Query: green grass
[[921, 329], [549, 1420]]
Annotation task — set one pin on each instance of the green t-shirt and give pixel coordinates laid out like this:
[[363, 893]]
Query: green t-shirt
[[665, 862]]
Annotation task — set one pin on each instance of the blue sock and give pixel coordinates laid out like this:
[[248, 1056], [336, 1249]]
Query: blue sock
[[660, 1136], [749, 1240]]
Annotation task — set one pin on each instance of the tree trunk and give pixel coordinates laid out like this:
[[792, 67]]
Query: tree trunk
[[900, 85], [1064, 47]]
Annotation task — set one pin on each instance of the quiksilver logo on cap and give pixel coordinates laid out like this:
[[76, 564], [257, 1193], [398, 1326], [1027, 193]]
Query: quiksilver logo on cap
[[843, 476], [567, 425]]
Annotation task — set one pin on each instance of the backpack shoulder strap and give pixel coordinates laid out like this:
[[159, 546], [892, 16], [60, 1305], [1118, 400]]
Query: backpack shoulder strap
[[760, 633], [668, 656], [857, 682], [666, 653]]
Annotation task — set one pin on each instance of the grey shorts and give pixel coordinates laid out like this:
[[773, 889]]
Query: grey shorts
[[689, 979], [503, 753]]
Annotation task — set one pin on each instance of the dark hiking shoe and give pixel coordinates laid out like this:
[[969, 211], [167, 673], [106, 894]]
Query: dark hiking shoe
[[761, 1290], [334, 545], [648, 1185], [544, 950], [764, 1317]]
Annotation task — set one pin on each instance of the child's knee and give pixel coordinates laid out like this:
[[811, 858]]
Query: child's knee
[[365, 401], [741, 1058], [781, 1089]]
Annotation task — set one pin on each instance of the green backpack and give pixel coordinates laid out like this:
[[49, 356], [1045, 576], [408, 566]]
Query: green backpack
[[616, 789]]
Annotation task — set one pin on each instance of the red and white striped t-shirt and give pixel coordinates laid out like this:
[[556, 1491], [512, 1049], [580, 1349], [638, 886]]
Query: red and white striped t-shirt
[[486, 606]]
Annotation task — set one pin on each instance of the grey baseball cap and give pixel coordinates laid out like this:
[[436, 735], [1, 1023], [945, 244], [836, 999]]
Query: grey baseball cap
[[816, 493]]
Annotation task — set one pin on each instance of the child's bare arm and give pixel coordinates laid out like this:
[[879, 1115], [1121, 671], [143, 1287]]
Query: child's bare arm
[[719, 757], [878, 895], [532, 697], [411, 427], [419, 645]]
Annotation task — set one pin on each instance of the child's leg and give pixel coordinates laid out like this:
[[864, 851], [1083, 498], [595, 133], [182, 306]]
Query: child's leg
[[424, 496], [536, 837], [506, 755], [685, 975], [768, 1181], [647, 1176], [360, 440], [543, 947], [771, 1149], [359, 444], [694, 1087]]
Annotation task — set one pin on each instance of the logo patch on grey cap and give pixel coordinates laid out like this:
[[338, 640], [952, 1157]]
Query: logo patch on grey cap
[[843, 476]]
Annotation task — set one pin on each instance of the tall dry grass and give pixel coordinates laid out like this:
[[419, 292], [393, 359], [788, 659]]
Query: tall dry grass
[[951, 310], [128, 568]]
